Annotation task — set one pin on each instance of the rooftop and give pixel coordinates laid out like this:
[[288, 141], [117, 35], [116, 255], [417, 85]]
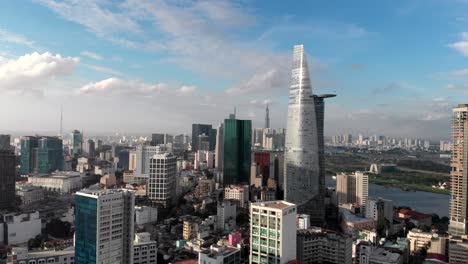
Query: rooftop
[[350, 217], [274, 204]]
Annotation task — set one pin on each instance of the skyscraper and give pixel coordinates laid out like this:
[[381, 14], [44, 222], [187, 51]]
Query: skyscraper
[[76, 143], [219, 151], [267, 117], [199, 129], [162, 181], [237, 152], [459, 173], [304, 147], [7, 178], [272, 232], [41, 154], [352, 188], [5, 142], [104, 226], [143, 155]]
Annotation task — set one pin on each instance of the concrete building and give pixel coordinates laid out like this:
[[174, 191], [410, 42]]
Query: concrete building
[[204, 160], [145, 214], [60, 182], [104, 226], [162, 181], [351, 223], [132, 160], [89, 148], [20, 255], [303, 221], [239, 193], [7, 178], [459, 174], [108, 180], [20, 227], [29, 193], [190, 228], [145, 250], [5, 142], [458, 250], [272, 232], [304, 146], [226, 215], [205, 187], [352, 188], [320, 246], [434, 243], [382, 256], [381, 210], [218, 254], [143, 155]]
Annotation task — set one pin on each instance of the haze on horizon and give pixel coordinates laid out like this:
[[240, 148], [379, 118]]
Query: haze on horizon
[[158, 66]]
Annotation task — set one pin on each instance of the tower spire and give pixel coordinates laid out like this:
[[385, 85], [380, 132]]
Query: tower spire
[[267, 117], [61, 121]]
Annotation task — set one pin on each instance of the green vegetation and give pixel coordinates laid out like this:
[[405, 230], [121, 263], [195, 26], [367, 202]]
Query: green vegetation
[[424, 165], [410, 181], [345, 162]]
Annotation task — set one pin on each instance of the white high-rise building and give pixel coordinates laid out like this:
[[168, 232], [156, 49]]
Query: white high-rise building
[[272, 232], [240, 193], [226, 215], [162, 181], [352, 188], [143, 155], [104, 223], [362, 189], [379, 208]]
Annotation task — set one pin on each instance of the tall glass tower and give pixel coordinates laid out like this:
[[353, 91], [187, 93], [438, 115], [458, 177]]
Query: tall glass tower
[[76, 143], [304, 147], [237, 152]]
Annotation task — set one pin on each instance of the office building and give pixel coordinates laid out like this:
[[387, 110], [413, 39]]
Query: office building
[[381, 210], [303, 221], [238, 193], [204, 159], [76, 146], [104, 226], [41, 154], [90, 148], [162, 181], [272, 232], [304, 147], [237, 151], [321, 246], [432, 242], [132, 160], [458, 249], [145, 250], [5, 142], [124, 159], [29, 193], [143, 155], [459, 172], [352, 188], [219, 151], [200, 129], [7, 178], [145, 214], [226, 215], [157, 139]]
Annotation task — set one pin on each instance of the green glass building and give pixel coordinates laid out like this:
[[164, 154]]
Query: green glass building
[[41, 154], [237, 151]]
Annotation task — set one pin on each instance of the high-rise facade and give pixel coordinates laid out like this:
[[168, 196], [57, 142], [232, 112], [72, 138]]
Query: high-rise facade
[[199, 129], [304, 147], [5, 142], [41, 154], [76, 143], [272, 232], [161, 186], [219, 151], [352, 188], [237, 151], [104, 226], [267, 117], [90, 148], [7, 178], [143, 155], [459, 173]]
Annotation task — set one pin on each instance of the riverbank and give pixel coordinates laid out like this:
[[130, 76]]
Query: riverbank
[[410, 181]]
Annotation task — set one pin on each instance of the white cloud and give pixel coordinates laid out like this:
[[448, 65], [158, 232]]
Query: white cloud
[[15, 38], [186, 90], [261, 82], [29, 72], [91, 55], [104, 69], [461, 46], [112, 86]]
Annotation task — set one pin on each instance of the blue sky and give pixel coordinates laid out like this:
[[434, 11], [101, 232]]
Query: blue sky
[[398, 67]]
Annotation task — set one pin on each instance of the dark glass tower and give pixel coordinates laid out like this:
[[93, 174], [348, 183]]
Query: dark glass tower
[[7, 179], [237, 151], [199, 129], [85, 229], [41, 154]]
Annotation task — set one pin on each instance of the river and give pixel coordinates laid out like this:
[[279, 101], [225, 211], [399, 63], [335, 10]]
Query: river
[[424, 202]]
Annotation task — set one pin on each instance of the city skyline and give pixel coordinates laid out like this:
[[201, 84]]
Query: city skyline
[[131, 57]]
